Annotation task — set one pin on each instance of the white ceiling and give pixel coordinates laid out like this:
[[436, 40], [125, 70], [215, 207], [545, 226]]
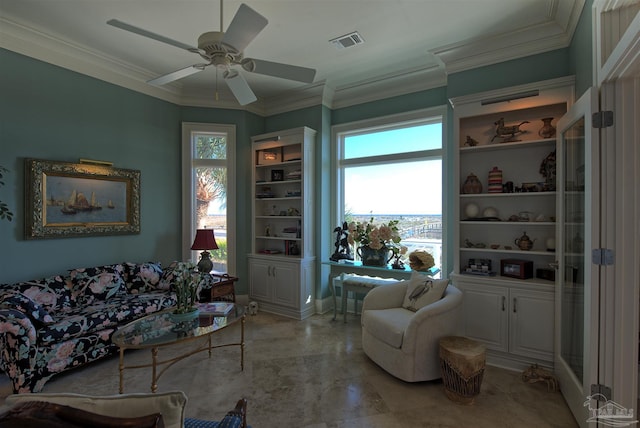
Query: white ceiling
[[409, 44]]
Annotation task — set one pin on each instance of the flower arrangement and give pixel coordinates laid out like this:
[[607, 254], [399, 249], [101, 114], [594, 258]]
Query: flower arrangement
[[187, 286], [375, 236]]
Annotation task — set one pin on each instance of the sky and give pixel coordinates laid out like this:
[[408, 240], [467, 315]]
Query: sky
[[410, 188]]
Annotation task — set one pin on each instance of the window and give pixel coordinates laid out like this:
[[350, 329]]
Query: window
[[208, 159], [391, 169]]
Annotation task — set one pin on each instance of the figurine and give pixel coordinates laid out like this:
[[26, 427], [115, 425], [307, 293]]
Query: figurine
[[470, 142], [507, 132], [537, 374], [343, 250]]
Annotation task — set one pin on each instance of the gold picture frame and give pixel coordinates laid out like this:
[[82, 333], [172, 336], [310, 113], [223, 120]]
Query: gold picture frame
[[66, 199]]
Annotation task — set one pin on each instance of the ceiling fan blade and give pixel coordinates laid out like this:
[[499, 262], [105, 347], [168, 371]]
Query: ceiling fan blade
[[142, 32], [239, 87], [244, 27], [276, 69], [178, 74]]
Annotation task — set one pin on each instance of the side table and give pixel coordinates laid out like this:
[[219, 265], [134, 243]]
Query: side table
[[222, 288]]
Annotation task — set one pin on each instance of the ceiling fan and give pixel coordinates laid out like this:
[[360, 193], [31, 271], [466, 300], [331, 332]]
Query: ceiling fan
[[224, 50]]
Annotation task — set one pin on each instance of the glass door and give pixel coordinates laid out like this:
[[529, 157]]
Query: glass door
[[577, 294]]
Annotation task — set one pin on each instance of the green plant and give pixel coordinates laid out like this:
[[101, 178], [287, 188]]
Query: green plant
[[5, 212], [187, 287]]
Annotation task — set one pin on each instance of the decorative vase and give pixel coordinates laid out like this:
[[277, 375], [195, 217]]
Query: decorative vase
[[547, 130], [472, 184], [186, 316], [495, 180], [371, 257]]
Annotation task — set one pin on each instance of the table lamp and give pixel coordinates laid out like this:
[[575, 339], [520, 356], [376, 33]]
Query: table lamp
[[205, 240]]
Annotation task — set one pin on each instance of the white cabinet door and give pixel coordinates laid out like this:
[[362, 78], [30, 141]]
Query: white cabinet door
[[531, 324], [259, 279], [485, 315], [285, 280]]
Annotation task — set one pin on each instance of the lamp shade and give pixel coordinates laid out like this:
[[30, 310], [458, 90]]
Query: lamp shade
[[205, 240]]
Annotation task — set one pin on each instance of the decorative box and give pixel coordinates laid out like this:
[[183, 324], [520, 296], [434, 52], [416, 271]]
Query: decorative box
[[516, 268]]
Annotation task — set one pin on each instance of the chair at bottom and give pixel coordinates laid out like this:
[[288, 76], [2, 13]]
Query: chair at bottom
[[405, 343], [122, 410]]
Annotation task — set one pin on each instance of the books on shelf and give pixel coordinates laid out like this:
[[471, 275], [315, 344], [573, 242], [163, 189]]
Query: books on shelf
[[218, 309]]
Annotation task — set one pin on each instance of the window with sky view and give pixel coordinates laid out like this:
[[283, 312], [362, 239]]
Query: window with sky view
[[394, 172]]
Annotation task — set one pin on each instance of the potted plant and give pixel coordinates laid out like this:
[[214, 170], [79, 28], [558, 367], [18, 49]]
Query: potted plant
[[187, 288]]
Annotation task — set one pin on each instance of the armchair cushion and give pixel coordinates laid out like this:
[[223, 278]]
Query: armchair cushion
[[423, 290], [389, 325]]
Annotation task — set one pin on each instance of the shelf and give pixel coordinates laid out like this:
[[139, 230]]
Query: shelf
[[285, 198], [493, 280], [508, 223], [271, 165], [279, 238], [491, 250], [294, 217], [506, 195], [503, 146], [269, 183]]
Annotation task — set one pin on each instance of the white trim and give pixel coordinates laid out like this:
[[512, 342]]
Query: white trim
[[188, 186]]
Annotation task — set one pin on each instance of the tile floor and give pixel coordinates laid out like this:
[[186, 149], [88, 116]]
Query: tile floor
[[313, 374]]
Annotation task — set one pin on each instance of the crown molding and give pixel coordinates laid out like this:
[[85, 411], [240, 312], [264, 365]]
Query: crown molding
[[557, 33], [390, 85]]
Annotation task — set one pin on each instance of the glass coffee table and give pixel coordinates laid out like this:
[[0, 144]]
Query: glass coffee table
[[161, 329]]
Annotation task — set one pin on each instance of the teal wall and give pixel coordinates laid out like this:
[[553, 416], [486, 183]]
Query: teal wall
[[52, 113]]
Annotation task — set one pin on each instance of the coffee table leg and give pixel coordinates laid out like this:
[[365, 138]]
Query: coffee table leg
[[209, 346], [154, 359], [121, 368], [242, 344]]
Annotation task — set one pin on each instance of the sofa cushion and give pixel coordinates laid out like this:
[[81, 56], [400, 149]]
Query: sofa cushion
[[387, 325], [423, 290], [100, 315], [16, 300], [53, 293], [97, 283], [142, 277], [170, 404]]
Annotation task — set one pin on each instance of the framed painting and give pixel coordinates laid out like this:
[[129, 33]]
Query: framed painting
[[80, 199]]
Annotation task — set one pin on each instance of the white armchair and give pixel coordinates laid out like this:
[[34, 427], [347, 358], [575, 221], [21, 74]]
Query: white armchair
[[403, 342]]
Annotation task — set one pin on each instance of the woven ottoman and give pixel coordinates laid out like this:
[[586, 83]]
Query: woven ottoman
[[462, 362]]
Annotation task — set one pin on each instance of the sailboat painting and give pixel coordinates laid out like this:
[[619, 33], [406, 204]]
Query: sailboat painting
[[84, 200], [76, 199]]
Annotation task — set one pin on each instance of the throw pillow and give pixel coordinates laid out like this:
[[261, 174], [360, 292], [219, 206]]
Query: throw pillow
[[423, 290], [97, 283], [16, 300], [142, 277], [167, 277]]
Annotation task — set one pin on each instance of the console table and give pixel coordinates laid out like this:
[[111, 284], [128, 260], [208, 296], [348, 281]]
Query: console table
[[356, 268]]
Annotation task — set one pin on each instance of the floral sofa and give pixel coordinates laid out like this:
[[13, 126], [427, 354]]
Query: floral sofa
[[57, 323]]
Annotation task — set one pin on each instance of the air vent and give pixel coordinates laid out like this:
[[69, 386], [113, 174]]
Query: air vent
[[347, 41]]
